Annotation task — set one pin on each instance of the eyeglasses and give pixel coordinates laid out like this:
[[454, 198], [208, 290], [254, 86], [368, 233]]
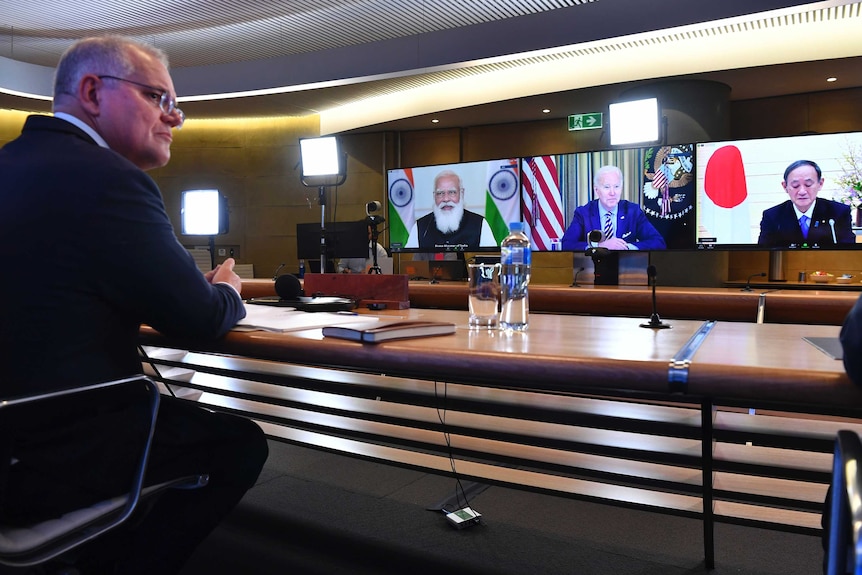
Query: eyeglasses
[[166, 103], [448, 193]]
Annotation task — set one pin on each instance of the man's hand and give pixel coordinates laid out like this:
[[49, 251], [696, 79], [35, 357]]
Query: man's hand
[[614, 244], [223, 273]]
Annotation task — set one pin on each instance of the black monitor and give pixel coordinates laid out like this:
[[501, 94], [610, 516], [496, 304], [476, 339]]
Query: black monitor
[[343, 240]]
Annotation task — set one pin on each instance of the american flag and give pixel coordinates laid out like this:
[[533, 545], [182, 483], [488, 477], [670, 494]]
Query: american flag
[[541, 201], [660, 182]]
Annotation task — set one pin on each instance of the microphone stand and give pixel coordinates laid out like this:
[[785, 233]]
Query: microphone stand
[[278, 269], [748, 281], [655, 321], [575, 281]]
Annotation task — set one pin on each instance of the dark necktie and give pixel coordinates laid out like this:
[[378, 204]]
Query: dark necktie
[[803, 223], [608, 231]]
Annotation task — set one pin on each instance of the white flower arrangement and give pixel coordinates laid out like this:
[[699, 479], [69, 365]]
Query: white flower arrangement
[[850, 182]]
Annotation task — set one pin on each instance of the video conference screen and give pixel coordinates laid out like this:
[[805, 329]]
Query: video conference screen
[[744, 202], [690, 196], [563, 197], [453, 207]]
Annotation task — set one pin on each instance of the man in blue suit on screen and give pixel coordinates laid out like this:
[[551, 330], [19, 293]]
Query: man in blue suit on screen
[[623, 224], [804, 219]]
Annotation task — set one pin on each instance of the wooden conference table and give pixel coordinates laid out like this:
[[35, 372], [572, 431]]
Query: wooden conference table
[[773, 303], [728, 421]]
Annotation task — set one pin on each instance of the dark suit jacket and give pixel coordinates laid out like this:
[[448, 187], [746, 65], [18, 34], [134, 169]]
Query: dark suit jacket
[[466, 237], [632, 226], [779, 227], [89, 254], [851, 342]]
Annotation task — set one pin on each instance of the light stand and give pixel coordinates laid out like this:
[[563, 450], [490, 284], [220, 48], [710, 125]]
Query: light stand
[[323, 164], [321, 199], [212, 252], [205, 213]]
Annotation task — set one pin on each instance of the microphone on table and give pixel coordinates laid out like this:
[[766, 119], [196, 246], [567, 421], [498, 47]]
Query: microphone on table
[[748, 281], [575, 282], [278, 269], [655, 321], [832, 225]]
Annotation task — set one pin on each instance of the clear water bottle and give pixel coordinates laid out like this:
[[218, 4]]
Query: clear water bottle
[[301, 269], [515, 257]]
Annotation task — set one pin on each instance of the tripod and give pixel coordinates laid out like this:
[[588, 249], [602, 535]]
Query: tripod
[[372, 225]]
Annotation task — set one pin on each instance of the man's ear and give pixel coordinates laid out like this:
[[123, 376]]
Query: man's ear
[[88, 94]]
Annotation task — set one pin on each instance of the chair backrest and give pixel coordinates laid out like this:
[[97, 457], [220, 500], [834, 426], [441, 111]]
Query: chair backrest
[[844, 554], [23, 418]]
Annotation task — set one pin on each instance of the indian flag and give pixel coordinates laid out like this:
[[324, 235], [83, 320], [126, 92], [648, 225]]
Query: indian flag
[[401, 217], [502, 201]]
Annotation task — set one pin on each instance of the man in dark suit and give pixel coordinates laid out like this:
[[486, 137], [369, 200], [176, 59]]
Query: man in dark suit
[[805, 219], [623, 224], [95, 256], [449, 226]]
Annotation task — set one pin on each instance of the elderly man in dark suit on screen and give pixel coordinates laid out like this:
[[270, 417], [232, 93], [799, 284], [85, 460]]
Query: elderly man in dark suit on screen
[[623, 224], [805, 219], [450, 226]]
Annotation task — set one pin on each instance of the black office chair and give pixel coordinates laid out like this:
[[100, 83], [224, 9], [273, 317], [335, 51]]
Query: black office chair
[[134, 399], [844, 554]]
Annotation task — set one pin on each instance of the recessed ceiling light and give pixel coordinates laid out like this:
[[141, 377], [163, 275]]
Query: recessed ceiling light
[[434, 121], [546, 111], [831, 79]]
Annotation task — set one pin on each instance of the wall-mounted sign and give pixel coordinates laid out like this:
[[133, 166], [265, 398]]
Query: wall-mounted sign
[[585, 121]]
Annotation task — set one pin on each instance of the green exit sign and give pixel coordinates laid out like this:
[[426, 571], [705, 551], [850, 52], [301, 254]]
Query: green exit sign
[[585, 121]]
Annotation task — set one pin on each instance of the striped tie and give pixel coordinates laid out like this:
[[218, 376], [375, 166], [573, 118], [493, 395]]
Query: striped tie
[[608, 231]]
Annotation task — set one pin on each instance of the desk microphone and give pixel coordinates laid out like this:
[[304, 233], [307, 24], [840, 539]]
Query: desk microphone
[[832, 225], [655, 321], [748, 281], [289, 289], [278, 269], [575, 281]]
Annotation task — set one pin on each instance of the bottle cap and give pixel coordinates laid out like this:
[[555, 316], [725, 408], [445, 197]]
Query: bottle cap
[[516, 227]]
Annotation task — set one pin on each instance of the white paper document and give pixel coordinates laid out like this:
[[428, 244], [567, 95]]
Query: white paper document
[[280, 319]]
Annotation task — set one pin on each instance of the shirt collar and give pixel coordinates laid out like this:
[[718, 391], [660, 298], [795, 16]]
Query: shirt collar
[[809, 213], [78, 123]]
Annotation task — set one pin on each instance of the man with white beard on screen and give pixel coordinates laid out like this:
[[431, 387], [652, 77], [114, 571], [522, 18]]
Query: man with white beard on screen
[[449, 226]]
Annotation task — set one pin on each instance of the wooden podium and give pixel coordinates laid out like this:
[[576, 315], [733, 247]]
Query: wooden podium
[[386, 289]]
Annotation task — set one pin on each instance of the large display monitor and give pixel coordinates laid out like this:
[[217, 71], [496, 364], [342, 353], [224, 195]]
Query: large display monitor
[[461, 207], [657, 181], [742, 204], [692, 196]]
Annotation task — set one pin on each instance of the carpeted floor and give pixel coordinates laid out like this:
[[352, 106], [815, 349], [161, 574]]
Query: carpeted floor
[[318, 513]]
